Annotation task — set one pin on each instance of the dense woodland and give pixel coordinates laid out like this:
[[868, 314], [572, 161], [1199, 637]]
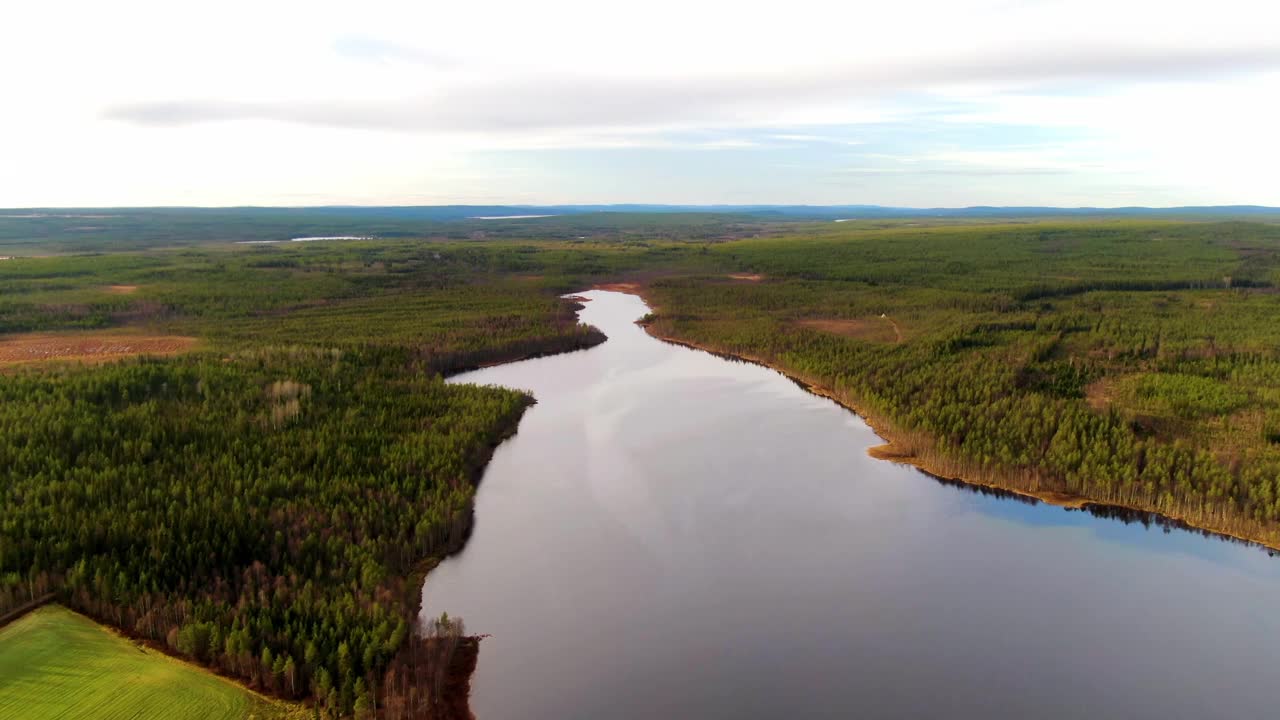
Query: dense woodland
[[259, 515], [265, 503]]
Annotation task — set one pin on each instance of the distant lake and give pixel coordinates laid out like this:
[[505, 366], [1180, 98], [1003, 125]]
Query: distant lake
[[506, 217], [304, 239], [675, 535]]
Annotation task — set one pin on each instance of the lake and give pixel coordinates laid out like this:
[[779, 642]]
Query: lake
[[673, 534]]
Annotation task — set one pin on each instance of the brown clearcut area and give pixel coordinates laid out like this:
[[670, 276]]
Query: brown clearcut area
[[122, 289], [1100, 393], [87, 347], [882, 329], [745, 277]]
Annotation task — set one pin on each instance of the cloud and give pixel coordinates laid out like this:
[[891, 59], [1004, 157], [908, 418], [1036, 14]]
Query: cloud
[[965, 172], [559, 101], [977, 102], [815, 139], [372, 49]]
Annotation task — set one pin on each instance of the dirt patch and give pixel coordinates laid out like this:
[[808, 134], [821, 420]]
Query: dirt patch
[[618, 287], [122, 289], [1100, 393], [881, 329], [745, 277], [87, 347]]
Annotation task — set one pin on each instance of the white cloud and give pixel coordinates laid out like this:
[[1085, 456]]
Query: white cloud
[[150, 102]]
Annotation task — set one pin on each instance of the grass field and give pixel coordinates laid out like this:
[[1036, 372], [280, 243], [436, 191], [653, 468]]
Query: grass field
[[57, 664]]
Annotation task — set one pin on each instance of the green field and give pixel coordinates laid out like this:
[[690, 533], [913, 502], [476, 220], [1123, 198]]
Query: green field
[[57, 664]]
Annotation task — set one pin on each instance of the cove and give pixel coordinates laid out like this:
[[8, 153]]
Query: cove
[[674, 534]]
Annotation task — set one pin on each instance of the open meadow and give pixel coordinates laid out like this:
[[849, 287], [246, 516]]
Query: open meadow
[[57, 664]]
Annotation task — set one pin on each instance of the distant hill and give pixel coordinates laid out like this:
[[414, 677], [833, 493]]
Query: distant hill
[[462, 212], [466, 212], [27, 231], [883, 211]]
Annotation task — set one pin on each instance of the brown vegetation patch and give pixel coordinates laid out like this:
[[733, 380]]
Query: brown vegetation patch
[[622, 287], [881, 329], [122, 289], [1100, 393], [745, 277], [87, 347], [892, 453]]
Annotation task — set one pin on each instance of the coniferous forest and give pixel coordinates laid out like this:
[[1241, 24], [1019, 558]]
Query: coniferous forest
[[265, 503]]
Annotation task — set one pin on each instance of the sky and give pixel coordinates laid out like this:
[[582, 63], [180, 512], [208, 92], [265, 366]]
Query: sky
[[923, 103]]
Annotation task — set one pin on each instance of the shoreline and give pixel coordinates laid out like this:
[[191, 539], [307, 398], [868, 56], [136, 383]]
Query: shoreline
[[888, 450]]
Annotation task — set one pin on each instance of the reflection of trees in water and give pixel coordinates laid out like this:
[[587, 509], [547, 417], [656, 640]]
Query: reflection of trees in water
[[1128, 516], [984, 490]]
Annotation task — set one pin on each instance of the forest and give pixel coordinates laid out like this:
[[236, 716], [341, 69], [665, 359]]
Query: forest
[[265, 503]]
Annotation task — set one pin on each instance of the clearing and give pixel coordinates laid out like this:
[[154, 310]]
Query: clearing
[[87, 347], [55, 663], [881, 329], [1100, 393]]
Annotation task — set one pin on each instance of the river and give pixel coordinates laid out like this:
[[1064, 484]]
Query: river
[[675, 535]]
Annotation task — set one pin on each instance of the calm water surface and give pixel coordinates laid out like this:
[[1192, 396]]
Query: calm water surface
[[671, 534]]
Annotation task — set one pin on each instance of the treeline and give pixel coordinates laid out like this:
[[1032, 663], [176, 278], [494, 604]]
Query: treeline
[[1039, 291]]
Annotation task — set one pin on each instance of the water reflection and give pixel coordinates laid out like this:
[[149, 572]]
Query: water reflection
[[1125, 515]]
